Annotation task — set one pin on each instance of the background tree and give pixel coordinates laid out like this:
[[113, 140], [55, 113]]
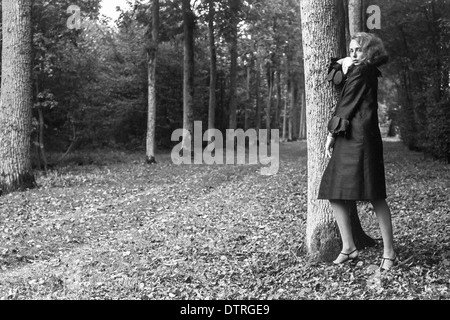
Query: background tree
[[234, 7], [152, 60], [416, 89], [188, 83], [213, 67], [16, 97], [355, 16]]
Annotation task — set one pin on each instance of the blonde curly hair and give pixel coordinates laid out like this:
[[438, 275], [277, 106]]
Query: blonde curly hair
[[372, 47]]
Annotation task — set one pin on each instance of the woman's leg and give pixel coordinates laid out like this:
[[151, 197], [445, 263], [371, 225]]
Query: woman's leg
[[385, 221], [342, 215]]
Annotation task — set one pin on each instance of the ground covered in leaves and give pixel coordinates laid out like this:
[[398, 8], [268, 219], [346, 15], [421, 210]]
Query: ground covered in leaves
[[115, 228]]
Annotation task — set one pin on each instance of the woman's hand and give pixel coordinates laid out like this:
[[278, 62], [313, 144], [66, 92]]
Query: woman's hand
[[329, 146]]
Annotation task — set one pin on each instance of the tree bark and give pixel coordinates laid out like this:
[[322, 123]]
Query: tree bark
[[285, 112], [302, 133], [270, 85], [152, 60], [41, 154], [296, 111], [364, 15], [188, 78], [249, 94], [355, 16], [258, 93], [16, 97], [279, 98], [213, 68], [322, 35], [290, 127]]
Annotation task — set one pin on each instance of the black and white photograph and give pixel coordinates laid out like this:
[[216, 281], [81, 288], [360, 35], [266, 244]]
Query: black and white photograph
[[230, 158]]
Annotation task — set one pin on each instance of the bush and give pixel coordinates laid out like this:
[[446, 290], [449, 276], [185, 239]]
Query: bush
[[437, 143]]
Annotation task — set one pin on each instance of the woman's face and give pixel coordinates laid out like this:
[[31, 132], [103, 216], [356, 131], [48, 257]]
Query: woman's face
[[356, 53]]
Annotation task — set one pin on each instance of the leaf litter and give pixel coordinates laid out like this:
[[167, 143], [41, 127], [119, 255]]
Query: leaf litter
[[125, 230]]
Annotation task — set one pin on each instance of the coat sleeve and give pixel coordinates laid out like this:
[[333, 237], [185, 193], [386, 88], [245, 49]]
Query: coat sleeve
[[351, 97]]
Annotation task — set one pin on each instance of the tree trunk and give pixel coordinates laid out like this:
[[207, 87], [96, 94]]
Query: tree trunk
[[435, 50], [296, 111], [213, 68], [346, 4], [40, 134], [290, 129], [287, 106], [361, 239], [16, 97], [270, 84], [302, 133], [152, 59], [188, 79], [249, 94], [285, 111], [278, 105], [258, 94], [234, 10], [41, 154], [364, 5], [355, 16], [322, 35]]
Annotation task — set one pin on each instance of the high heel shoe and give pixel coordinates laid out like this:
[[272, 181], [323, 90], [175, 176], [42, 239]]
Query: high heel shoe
[[348, 258], [394, 263]]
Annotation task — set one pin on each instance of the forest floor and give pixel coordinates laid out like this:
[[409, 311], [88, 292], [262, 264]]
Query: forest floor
[[116, 228]]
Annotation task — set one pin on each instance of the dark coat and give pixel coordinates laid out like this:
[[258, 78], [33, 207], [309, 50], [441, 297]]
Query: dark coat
[[356, 168]]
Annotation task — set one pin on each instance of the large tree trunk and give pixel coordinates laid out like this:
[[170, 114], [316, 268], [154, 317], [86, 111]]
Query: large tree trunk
[[213, 69], [16, 97], [234, 11], [323, 34], [188, 80], [364, 5], [152, 57], [355, 16]]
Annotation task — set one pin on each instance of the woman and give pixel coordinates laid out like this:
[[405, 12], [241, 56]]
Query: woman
[[356, 168]]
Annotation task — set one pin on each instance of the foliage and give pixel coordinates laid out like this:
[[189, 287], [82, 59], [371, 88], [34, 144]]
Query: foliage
[[437, 141], [95, 78], [417, 34]]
